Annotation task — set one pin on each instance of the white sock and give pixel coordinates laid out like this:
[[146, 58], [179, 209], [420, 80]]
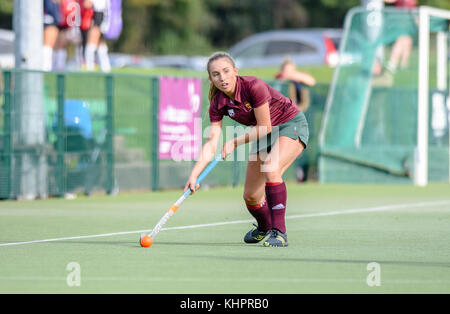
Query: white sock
[[60, 59], [47, 58], [103, 58], [89, 56], [391, 67], [79, 56]]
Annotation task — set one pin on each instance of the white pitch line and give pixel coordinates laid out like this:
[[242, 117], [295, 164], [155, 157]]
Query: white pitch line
[[323, 214]]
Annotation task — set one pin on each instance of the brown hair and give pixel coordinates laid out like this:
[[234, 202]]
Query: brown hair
[[285, 62], [216, 56]]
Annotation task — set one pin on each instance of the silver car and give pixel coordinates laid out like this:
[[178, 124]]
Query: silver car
[[303, 46]]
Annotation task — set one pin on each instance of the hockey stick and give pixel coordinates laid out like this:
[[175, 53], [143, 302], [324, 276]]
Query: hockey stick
[[146, 240]]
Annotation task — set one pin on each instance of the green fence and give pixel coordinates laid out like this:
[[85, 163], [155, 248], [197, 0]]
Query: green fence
[[44, 155]]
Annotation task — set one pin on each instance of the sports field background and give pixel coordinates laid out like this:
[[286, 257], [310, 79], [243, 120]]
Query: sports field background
[[334, 232]]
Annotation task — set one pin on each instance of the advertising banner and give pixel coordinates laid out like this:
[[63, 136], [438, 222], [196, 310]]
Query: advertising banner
[[179, 118]]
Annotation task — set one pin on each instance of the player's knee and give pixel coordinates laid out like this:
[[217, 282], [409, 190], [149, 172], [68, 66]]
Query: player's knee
[[251, 198], [272, 176]]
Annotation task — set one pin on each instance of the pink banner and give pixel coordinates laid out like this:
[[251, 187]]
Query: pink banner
[[179, 118]]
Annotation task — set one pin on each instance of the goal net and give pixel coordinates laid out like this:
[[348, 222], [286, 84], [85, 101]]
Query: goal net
[[387, 113]]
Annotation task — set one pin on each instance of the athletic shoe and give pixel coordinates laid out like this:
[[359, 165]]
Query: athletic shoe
[[254, 235], [276, 238]]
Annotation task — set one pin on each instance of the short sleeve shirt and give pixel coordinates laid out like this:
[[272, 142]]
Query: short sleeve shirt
[[251, 93]]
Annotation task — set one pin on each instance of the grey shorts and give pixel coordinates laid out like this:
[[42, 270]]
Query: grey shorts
[[296, 128]]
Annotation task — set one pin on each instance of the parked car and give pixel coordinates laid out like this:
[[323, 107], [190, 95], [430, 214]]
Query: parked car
[[6, 48], [198, 63], [303, 46]]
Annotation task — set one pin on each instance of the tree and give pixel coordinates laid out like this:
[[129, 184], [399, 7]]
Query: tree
[[165, 27], [6, 10], [200, 26]]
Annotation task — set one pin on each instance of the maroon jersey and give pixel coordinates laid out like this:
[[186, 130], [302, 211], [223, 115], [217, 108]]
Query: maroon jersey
[[251, 93], [406, 3]]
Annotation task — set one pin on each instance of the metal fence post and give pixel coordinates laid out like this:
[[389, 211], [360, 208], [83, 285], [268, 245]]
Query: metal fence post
[[60, 136], [7, 134], [154, 135], [110, 134]]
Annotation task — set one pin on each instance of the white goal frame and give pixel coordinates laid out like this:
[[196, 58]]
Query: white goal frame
[[421, 153]]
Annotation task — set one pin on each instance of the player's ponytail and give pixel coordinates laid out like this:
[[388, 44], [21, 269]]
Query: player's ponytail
[[212, 91]]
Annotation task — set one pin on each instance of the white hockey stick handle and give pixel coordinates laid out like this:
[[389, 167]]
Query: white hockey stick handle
[[185, 195]]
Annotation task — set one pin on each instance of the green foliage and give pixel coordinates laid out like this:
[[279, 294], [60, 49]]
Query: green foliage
[[198, 27], [165, 27], [6, 6], [328, 13], [201, 26], [6, 9], [180, 25], [441, 4]]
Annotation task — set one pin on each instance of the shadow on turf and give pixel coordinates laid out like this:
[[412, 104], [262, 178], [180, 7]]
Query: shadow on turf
[[102, 243], [137, 245], [213, 244], [316, 260]]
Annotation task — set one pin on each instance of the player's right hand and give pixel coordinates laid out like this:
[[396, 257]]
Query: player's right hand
[[190, 184]]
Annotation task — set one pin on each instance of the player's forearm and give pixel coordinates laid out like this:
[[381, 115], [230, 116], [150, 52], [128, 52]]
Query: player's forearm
[[255, 133], [302, 78], [206, 155]]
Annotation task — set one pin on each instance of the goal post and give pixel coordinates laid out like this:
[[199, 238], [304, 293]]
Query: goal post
[[421, 154]]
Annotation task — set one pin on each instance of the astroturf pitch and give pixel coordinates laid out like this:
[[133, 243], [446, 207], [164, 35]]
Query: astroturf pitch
[[334, 232]]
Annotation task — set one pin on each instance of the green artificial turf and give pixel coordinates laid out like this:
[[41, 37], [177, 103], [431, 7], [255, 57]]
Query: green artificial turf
[[334, 232]]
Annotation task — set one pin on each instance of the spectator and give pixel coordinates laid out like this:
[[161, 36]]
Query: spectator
[[69, 31], [401, 48], [403, 45], [87, 14], [300, 96], [297, 79], [95, 40], [52, 18]]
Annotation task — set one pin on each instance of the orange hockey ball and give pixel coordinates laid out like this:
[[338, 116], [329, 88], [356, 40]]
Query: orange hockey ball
[[146, 241]]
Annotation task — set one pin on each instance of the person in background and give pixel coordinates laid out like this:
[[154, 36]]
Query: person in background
[[52, 19], [95, 40], [403, 45], [87, 14], [69, 32], [300, 95], [401, 48], [60, 51], [297, 80]]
